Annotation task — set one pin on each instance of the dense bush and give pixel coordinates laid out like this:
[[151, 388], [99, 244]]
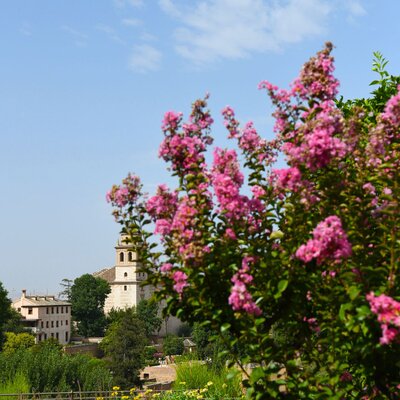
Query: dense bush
[[300, 277], [173, 345], [47, 369]]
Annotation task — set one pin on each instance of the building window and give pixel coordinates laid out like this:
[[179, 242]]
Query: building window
[[47, 324], [121, 257], [57, 310], [130, 258], [47, 310], [30, 311], [41, 324], [66, 337], [125, 288], [61, 322], [45, 336], [62, 310], [52, 324], [52, 310], [39, 338], [66, 322], [57, 335], [56, 324], [52, 334], [125, 274]]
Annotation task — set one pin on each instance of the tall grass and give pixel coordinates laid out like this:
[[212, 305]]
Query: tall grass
[[19, 384], [197, 375]]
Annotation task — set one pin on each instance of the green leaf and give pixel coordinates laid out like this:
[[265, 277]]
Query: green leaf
[[277, 235], [282, 285], [225, 327]]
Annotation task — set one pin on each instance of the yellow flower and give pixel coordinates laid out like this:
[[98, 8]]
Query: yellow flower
[[182, 383], [116, 387], [99, 398], [224, 385], [133, 390], [125, 397], [210, 383]]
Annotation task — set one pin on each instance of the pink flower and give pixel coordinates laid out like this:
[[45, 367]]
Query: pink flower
[[329, 242], [171, 120], [286, 179], [166, 267], [227, 180], [180, 279], [258, 191], [240, 299], [128, 193], [388, 312]]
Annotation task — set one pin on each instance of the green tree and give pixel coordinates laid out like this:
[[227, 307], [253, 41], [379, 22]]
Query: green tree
[[5, 311], [88, 295], [13, 324], [173, 345], [124, 346], [66, 284], [18, 341], [147, 311]]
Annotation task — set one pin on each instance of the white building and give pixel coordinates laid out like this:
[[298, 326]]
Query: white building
[[46, 317], [126, 283], [125, 279]]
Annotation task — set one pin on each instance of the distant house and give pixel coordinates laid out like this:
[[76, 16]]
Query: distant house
[[45, 316]]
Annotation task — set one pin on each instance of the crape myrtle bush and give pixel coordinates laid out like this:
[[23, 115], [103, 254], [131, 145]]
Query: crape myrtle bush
[[300, 277]]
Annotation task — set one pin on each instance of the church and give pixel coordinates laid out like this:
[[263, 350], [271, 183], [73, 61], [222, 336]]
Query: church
[[126, 279]]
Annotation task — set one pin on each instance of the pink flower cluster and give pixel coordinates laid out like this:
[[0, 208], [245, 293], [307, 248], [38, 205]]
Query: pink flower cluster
[[386, 132], [318, 145], [171, 120], [180, 279], [127, 193], [286, 179], [249, 140], [329, 242], [240, 299], [184, 150], [388, 312], [162, 208], [227, 180], [392, 110]]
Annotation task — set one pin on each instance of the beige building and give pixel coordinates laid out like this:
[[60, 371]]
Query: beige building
[[126, 279], [46, 317]]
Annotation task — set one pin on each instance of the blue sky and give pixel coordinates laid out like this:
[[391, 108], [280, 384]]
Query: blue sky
[[84, 86]]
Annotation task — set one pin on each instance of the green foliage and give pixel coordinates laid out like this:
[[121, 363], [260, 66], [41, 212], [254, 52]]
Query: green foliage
[[44, 368], [18, 384], [13, 324], [88, 295], [124, 346], [5, 311], [173, 345], [185, 330], [147, 311], [66, 285], [18, 341], [195, 375]]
